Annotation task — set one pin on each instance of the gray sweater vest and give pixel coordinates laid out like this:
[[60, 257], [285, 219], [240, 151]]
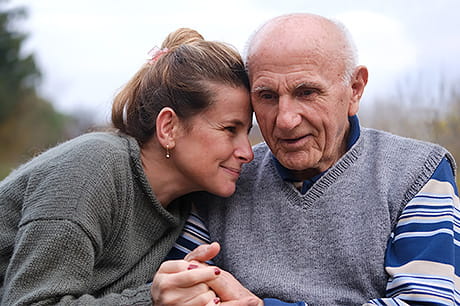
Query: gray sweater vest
[[326, 247]]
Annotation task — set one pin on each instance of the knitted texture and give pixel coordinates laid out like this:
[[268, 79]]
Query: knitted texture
[[80, 223], [326, 247]]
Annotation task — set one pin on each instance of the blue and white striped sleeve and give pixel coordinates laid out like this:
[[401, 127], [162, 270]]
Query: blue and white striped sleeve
[[423, 252], [275, 302]]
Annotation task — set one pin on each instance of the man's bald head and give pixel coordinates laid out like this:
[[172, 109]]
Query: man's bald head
[[308, 33]]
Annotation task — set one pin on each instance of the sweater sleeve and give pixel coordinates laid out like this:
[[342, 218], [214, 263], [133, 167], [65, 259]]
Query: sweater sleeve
[[52, 265], [69, 213], [423, 252]]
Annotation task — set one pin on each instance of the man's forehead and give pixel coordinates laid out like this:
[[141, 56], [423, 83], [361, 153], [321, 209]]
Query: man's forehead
[[294, 67], [290, 82]]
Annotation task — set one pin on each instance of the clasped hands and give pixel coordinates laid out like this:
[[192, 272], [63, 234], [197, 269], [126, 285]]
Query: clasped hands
[[193, 282]]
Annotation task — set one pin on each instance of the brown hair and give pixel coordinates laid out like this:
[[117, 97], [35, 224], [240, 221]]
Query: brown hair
[[179, 78]]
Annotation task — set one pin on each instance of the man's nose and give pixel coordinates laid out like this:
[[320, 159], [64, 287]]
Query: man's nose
[[288, 116]]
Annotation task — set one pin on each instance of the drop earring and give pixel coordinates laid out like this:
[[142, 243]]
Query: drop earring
[[167, 151]]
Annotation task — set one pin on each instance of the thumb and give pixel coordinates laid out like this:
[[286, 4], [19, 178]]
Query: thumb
[[204, 252]]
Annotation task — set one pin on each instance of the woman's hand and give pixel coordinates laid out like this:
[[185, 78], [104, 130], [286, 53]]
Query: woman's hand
[[178, 282], [231, 292], [226, 287], [193, 282]]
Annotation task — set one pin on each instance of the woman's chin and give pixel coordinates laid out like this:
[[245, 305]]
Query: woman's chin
[[226, 192]]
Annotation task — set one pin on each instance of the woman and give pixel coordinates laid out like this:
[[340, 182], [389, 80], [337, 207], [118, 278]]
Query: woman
[[90, 221]]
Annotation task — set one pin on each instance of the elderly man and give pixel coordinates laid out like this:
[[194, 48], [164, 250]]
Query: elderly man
[[328, 212]]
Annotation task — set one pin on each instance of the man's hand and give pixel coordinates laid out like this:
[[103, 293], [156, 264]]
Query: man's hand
[[203, 252]]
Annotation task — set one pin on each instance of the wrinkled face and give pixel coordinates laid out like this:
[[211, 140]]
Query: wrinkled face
[[302, 107], [214, 144]]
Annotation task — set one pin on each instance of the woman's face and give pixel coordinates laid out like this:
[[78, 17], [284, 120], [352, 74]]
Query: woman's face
[[213, 145]]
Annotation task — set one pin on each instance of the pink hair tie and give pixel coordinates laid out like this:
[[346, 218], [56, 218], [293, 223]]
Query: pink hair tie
[[155, 53]]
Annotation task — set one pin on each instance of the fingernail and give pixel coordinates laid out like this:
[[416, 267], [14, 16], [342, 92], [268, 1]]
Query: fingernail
[[216, 271], [192, 266], [204, 249], [216, 300]]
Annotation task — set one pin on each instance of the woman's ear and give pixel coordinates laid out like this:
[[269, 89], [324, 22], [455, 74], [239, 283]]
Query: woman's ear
[[166, 127], [358, 83]]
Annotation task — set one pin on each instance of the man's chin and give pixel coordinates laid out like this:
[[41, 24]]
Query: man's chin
[[296, 165], [296, 161]]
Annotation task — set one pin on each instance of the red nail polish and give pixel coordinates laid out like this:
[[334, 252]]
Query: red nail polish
[[216, 300], [216, 271], [192, 266]]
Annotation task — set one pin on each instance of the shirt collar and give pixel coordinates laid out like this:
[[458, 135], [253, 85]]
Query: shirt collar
[[287, 175]]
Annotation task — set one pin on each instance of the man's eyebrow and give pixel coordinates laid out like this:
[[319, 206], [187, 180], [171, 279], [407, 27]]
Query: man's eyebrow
[[301, 85], [261, 88], [306, 85]]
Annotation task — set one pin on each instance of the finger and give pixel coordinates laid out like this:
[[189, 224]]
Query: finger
[[208, 298], [175, 266], [228, 288], [198, 294], [204, 252], [190, 277], [214, 302]]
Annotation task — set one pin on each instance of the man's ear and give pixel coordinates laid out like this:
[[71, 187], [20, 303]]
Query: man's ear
[[166, 127], [358, 83]]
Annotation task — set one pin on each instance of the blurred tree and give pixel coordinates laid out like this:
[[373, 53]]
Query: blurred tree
[[18, 74], [28, 123], [445, 126], [413, 113]]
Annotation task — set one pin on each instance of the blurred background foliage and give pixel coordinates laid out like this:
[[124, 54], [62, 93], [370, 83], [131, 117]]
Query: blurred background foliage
[[30, 124]]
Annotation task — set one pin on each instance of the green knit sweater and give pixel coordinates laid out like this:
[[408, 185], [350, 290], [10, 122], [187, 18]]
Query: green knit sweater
[[80, 225]]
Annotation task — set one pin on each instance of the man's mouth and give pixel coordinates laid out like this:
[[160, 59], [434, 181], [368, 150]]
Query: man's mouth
[[294, 143], [293, 140]]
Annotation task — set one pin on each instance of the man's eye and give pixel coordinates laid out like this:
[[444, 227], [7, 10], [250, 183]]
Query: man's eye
[[231, 129], [305, 92], [267, 96]]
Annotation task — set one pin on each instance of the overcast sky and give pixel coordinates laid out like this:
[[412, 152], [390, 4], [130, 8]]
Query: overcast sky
[[87, 49]]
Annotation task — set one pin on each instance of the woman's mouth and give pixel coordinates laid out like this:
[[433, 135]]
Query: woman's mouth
[[233, 171]]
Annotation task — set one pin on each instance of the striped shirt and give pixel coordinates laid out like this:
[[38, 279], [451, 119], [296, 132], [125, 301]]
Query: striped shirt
[[423, 253], [194, 234]]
